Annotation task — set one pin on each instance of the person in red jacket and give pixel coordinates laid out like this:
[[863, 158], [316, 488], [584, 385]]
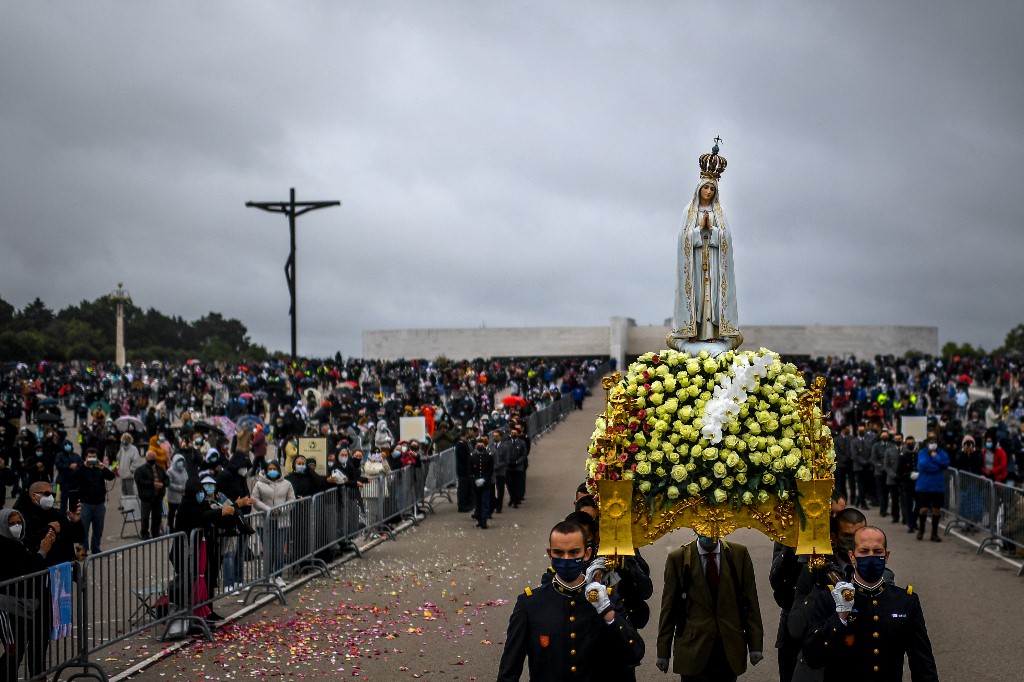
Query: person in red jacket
[[993, 460]]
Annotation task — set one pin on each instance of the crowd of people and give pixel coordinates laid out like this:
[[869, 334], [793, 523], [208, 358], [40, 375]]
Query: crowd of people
[[200, 446], [710, 625]]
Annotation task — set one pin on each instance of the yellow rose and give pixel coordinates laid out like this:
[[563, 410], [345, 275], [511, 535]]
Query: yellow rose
[[748, 498], [792, 461], [786, 444], [643, 468], [672, 492], [692, 367], [655, 456], [660, 472], [693, 489], [691, 466], [762, 496], [678, 472], [657, 398], [705, 483], [719, 470], [720, 496], [727, 482], [741, 479], [672, 456], [767, 479], [627, 475], [710, 366], [732, 460], [645, 486], [803, 474]]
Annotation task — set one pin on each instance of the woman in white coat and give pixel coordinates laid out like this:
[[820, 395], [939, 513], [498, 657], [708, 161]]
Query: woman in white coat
[[270, 492]]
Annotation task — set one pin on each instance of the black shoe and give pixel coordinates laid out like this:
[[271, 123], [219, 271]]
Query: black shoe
[[497, 511], [482, 526]]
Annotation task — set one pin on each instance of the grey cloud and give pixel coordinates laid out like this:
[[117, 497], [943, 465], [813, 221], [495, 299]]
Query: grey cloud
[[513, 164]]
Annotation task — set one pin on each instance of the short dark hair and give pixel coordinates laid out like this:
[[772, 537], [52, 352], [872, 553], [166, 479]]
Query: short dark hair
[[585, 520], [851, 516], [568, 528], [586, 501], [582, 488]]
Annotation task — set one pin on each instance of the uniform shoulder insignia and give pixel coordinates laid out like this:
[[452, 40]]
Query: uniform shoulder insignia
[[910, 589], [528, 591]]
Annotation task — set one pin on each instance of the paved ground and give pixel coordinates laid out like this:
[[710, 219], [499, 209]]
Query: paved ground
[[434, 604]]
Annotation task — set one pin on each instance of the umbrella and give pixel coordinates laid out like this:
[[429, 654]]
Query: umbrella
[[129, 423], [101, 405], [48, 418], [246, 396], [260, 394], [513, 401], [350, 384], [46, 402], [248, 419], [206, 427], [226, 426]]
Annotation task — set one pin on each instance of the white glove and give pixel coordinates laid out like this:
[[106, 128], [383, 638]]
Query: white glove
[[600, 564], [603, 601], [756, 657], [662, 664], [480, 482], [839, 594]]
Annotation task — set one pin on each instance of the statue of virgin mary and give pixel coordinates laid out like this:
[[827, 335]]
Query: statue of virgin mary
[[704, 317]]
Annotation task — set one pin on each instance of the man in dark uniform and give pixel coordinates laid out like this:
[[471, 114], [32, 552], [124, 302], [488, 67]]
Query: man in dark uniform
[[565, 635], [481, 476], [867, 627]]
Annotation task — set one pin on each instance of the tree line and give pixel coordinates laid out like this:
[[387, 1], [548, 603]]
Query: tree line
[[87, 331]]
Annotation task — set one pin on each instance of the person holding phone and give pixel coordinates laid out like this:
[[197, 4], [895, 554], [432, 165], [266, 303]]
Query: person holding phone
[[92, 495]]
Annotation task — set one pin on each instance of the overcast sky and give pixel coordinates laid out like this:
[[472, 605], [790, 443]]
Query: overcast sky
[[514, 163]]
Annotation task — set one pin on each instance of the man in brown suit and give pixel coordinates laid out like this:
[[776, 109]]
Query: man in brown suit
[[710, 616]]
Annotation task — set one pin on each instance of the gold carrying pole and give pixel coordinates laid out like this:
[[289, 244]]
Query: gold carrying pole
[[816, 494], [614, 494]]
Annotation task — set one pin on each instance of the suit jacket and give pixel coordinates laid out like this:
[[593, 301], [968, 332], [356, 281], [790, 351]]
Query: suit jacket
[[689, 620]]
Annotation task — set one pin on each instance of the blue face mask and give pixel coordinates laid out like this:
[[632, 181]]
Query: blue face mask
[[871, 568], [67, 448], [273, 474], [200, 496], [210, 489], [300, 469], [568, 569], [179, 465]]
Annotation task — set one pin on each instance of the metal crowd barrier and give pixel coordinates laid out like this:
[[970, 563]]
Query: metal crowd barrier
[[170, 586], [1008, 517], [976, 503], [38, 645]]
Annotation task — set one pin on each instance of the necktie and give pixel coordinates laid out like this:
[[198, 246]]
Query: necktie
[[711, 574]]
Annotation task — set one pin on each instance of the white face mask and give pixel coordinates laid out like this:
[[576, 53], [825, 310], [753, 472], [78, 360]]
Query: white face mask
[[46, 502], [16, 530]]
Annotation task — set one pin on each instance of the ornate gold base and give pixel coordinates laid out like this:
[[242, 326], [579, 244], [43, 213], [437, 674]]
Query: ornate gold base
[[777, 520]]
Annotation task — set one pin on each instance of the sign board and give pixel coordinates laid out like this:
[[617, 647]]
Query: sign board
[[313, 449], [412, 428], [914, 426]]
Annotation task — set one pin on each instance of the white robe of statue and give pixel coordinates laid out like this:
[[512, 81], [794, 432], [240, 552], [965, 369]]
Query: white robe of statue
[[705, 302]]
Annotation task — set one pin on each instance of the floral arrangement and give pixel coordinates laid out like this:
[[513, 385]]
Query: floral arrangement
[[723, 430]]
